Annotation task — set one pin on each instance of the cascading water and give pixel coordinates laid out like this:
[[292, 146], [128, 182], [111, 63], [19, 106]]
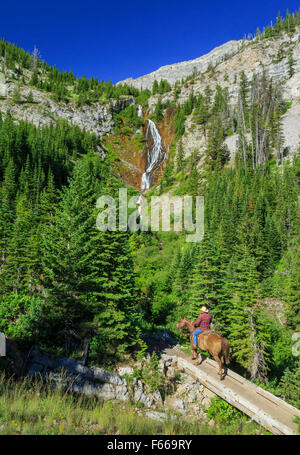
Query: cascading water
[[140, 111], [139, 203], [154, 154]]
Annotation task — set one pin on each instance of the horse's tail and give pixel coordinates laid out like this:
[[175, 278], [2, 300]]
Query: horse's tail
[[225, 349]]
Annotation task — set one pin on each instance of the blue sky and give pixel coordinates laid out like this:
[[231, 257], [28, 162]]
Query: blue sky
[[115, 39]]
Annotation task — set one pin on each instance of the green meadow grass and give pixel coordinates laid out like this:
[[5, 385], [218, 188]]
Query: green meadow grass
[[32, 408]]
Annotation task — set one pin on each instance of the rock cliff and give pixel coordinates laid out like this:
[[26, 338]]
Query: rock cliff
[[96, 118], [178, 71], [252, 58]]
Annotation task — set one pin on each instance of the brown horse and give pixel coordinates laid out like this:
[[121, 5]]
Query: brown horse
[[209, 341]]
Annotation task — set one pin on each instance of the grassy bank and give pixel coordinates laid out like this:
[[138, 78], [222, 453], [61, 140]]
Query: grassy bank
[[28, 408]]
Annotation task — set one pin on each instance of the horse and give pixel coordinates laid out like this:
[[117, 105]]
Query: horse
[[209, 341]]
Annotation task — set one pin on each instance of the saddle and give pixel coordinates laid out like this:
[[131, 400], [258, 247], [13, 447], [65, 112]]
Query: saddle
[[206, 332]]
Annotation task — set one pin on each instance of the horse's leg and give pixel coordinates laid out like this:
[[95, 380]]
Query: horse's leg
[[223, 366], [194, 352], [200, 359], [225, 369], [195, 356], [200, 356], [218, 360]]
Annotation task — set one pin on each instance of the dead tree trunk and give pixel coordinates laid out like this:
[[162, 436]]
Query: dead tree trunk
[[258, 368]]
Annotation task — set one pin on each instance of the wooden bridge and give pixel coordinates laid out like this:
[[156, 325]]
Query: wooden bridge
[[264, 408]]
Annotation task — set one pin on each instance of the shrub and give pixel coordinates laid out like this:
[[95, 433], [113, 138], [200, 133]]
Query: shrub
[[150, 374], [223, 413]]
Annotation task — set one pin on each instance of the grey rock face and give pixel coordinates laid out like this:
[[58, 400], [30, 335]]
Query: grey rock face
[[154, 415], [252, 59], [180, 406], [291, 127], [2, 85], [96, 118], [125, 370], [70, 374], [178, 71], [101, 375]]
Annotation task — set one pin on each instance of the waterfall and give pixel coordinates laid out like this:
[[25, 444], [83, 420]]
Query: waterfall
[[140, 111], [154, 153], [139, 203], [154, 157], [140, 198]]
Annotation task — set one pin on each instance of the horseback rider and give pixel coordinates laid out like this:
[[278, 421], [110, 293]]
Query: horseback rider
[[203, 321]]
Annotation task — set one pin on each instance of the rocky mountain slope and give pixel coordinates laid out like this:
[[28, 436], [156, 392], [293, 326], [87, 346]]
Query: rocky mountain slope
[[222, 64], [220, 67], [43, 110], [181, 70], [252, 58]]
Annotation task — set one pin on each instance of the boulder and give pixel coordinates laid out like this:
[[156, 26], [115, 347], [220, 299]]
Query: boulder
[[70, 374], [154, 415], [205, 402], [125, 370]]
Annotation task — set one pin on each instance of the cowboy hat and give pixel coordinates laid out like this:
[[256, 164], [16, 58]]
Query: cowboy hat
[[204, 309]]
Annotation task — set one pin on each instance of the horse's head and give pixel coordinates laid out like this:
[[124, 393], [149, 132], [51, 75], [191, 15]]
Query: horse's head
[[181, 323]]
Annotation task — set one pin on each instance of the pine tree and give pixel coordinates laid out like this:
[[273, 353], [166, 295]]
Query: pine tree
[[15, 273], [291, 65], [29, 97], [194, 178], [203, 289], [201, 113], [289, 385], [180, 157], [179, 120], [7, 193], [217, 151], [278, 24], [181, 267], [155, 89], [67, 245], [48, 200], [242, 280], [16, 95], [293, 292], [158, 111], [88, 275], [168, 176]]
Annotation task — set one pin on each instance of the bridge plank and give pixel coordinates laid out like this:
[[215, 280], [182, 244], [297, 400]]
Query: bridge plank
[[263, 407]]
